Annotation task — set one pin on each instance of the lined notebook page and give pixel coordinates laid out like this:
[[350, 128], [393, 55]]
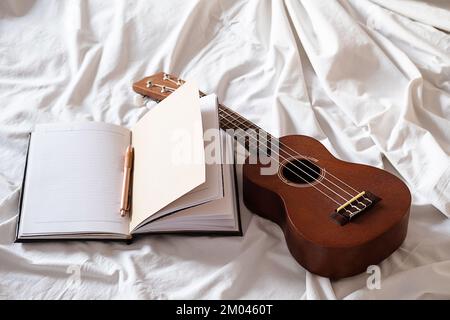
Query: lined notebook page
[[73, 179]]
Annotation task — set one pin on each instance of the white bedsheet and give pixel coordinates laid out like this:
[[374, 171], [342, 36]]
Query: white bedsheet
[[363, 77]]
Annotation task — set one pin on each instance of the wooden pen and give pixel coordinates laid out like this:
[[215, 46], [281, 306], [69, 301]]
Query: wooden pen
[[124, 202]]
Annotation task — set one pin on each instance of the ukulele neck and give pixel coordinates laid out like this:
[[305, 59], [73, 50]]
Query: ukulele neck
[[231, 120]]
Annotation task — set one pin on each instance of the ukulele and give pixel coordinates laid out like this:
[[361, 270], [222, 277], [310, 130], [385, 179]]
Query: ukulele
[[337, 217]]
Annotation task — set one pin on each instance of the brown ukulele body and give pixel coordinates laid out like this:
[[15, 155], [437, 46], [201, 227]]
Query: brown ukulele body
[[314, 239]]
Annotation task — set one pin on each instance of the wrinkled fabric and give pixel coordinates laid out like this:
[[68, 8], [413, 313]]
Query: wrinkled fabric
[[369, 79]]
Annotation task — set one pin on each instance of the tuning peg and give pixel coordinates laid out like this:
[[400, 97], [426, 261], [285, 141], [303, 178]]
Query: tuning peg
[[139, 100]]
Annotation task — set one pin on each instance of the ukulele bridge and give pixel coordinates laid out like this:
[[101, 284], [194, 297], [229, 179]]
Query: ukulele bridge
[[354, 207]]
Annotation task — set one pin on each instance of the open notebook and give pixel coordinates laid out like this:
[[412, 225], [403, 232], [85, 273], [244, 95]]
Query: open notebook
[[73, 177]]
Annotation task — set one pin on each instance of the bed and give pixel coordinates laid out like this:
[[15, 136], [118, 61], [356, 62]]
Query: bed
[[369, 79]]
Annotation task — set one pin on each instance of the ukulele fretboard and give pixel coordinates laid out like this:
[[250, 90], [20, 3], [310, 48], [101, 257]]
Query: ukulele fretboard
[[246, 132]]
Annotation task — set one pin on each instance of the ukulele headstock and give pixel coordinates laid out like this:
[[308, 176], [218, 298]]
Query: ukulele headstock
[[158, 86]]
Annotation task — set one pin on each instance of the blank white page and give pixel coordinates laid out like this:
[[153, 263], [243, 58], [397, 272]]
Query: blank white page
[[217, 215], [212, 188], [169, 157], [73, 180]]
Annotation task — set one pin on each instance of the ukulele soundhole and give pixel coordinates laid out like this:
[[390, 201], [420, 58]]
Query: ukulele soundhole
[[300, 172]]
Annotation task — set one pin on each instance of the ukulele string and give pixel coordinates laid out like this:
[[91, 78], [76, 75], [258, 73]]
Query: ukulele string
[[300, 169], [291, 156], [296, 174], [296, 154]]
